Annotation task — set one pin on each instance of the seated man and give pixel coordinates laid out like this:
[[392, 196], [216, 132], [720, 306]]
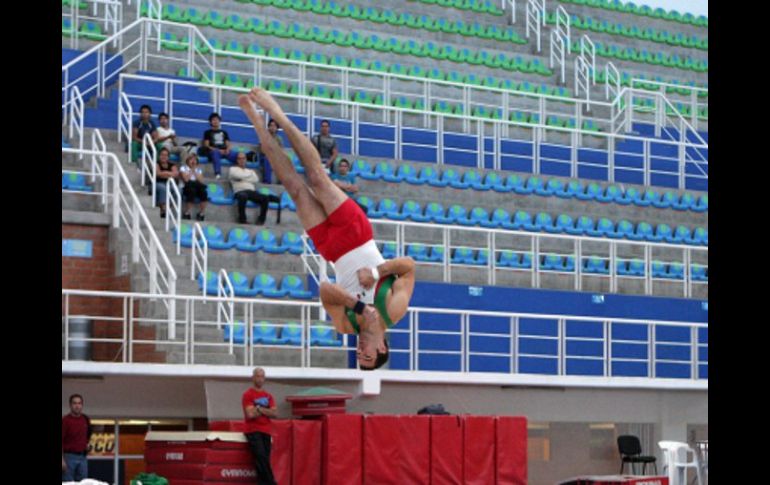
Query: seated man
[[347, 181], [372, 293], [167, 139], [165, 171], [216, 144], [245, 189], [272, 128]]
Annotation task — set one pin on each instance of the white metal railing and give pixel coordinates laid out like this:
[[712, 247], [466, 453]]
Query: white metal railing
[[535, 19], [488, 129], [612, 84], [99, 167], [111, 18], [127, 212], [199, 255], [119, 327], [557, 53], [694, 93], [563, 27], [225, 306], [155, 12], [509, 5], [583, 80], [588, 53], [76, 118], [125, 119], [174, 212], [149, 164]]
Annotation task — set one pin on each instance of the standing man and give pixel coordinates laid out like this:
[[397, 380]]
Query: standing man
[[326, 146], [272, 128], [244, 183], [258, 408], [141, 127], [75, 435]]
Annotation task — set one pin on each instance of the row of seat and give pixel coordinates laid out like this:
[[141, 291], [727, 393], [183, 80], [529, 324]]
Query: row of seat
[[685, 109], [264, 240], [534, 184], [290, 333], [547, 262], [542, 222], [413, 47], [263, 284], [351, 10], [633, 31], [88, 30], [477, 6], [640, 10]]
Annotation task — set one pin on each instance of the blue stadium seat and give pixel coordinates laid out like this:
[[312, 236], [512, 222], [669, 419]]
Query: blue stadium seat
[[698, 272], [569, 264], [477, 216], [240, 284], [543, 222], [611, 194], [500, 218], [621, 268], [294, 287], [482, 257], [563, 224], [685, 202], [593, 191], [447, 177], [512, 183], [570, 190], [624, 229], [666, 201], [366, 202], [185, 232], [380, 171], [287, 203], [643, 232], [525, 262], [468, 179], [404, 171], [551, 188], [491, 180], [508, 259], [436, 254], [595, 265], [533, 184], [389, 250], [627, 197], [681, 235], [386, 208], [434, 211], [238, 334], [215, 238], [699, 237], [582, 226], [522, 221], [267, 241], [265, 333], [292, 242], [427, 174], [291, 333], [411, 209], [418, 252], [75, 182], [651, 197], [675, 271], [209, 281], [241, 240], [603, 228], [266, 285], [659, 269], [551, 262], [217, 195], [663, 233], [324, 336], [454, 213], [462, 255], [361, 167], [702, 205], [636, 267]]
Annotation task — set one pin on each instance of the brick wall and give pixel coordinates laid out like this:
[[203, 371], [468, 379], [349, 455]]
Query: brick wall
[[99, 273]]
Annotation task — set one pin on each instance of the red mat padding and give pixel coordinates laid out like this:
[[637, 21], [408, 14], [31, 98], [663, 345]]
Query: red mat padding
[[280, 454], [306, 453], [381, 450], [511, 450], [479, 450], [221, 473], [446, 450], [341, 445], [213, 445], [414, 461]]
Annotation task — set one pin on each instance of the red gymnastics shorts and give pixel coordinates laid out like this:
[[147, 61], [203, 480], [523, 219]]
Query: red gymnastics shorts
[[343, 231]]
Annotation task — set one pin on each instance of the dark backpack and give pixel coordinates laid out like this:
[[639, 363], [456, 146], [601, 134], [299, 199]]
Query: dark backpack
[[433, 409]]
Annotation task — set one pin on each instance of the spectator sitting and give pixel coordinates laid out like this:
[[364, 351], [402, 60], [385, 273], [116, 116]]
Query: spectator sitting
[[167, 139], [216, 144], [272, 128], [194, 187], [346, 181], [165, 171], [326, 146], [244, 183], [141, 127]]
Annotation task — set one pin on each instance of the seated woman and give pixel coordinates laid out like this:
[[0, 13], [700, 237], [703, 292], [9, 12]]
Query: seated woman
[[194, 187], [163, 173]]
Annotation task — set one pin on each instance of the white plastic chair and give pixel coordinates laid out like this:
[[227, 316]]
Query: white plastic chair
[[673, 452]]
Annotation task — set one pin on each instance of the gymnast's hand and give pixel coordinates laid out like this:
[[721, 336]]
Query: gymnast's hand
[[366, 278]]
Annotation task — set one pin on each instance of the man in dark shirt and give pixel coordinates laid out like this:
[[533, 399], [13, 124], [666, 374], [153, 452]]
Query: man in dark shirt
[[75, 435], [216, 143], [258, 408], [326, 146], [141, 127]]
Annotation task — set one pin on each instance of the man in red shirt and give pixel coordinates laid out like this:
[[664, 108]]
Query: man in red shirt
[[75, 435], [258, 407]]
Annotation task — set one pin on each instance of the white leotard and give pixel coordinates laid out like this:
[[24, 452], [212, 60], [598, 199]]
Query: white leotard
[[365, 256]]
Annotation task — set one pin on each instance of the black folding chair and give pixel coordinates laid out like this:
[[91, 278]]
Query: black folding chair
[[631, 452]]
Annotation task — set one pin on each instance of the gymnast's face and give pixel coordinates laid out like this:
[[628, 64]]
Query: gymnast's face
[[367, 348]]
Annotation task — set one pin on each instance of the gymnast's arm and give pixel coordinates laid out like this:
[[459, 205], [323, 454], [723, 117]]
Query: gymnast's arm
[[335, 299]]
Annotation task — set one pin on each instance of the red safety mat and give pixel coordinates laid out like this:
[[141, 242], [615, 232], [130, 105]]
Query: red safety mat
[[213, 445], [222, 473], [479, 450], [342, 444], [280, 454], [446, 450], [381, 450], [306, 452], [616, 480], [233, 425], [414, 442], [511, 450]]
